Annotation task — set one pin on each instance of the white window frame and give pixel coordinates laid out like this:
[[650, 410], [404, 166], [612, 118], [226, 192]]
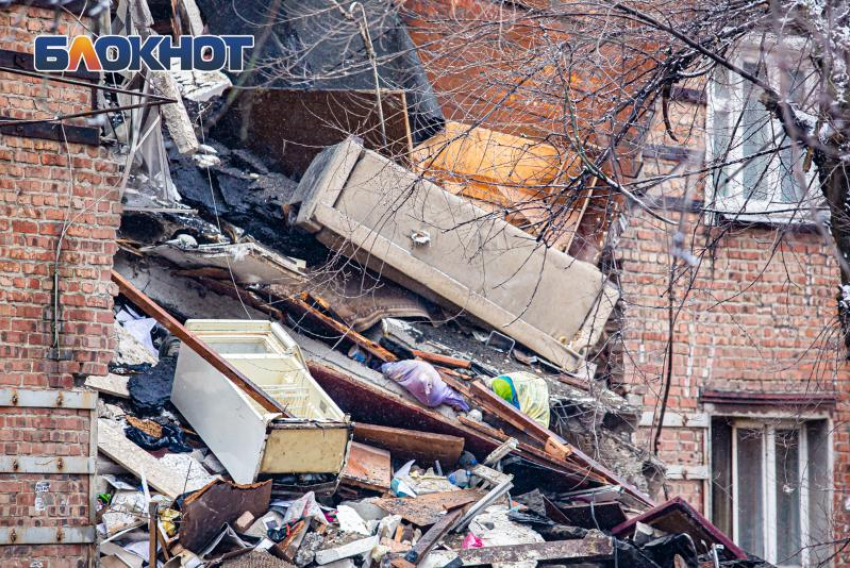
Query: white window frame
[[769, 425], [760, 50]]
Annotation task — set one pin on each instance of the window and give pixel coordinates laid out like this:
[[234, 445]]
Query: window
[[771, 487], [757, 179]]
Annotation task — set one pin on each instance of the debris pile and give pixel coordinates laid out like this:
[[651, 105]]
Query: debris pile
[[326, 359]]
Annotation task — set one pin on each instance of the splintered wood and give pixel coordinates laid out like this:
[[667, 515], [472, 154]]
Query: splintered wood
[[428, 509], [423, 447], [368, 467]]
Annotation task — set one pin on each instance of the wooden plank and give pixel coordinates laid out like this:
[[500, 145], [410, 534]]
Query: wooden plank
[[405, 444], [111, 384], [165, 319], [368, 467], [112, 442], [367, 402], [444, 360], [490, 475], [433, 536], [589, 549], [428, 509], [302, 308], [523, 423]]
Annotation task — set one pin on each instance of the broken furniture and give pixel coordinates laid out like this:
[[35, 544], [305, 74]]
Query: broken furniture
[[311, 437], [676, 516], [446, 249]]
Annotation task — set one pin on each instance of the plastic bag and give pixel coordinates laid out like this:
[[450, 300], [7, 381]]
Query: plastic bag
[[172, 438], [471, 541], [304, 508], [423, 381]]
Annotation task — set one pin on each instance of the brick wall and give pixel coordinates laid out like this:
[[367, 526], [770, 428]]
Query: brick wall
[[50, 192], [760, 316]]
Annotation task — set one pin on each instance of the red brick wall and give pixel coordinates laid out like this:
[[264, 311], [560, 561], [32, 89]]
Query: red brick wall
[[760, 317], [49, 190]]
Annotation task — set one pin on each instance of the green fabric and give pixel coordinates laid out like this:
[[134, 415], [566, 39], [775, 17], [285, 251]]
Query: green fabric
[[505, 390], [532, 393]]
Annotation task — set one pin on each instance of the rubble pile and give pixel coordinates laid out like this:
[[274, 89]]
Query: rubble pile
[[315, 368]]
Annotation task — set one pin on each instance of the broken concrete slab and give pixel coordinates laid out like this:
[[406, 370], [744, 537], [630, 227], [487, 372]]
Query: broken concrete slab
[[437, 244], [356, 548]]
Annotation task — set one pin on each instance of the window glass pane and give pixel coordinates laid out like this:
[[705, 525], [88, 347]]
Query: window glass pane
[[787, 486], [722, 130], [819, 484], [756, 134], [721, 474], [750, 458], [791, 190], [792, 85], [722, 141]]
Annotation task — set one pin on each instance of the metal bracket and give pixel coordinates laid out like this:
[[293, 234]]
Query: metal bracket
[[48, 398], [57, 131], [84, 465], [46, 535]]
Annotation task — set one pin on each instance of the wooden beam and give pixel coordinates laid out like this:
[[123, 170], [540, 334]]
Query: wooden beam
[[221, 365], [301, 308], [432, 537], [588, 549], [444, 360], [494, 404], [406, 444]]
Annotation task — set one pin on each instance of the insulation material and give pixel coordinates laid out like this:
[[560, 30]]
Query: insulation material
[[248, 262]]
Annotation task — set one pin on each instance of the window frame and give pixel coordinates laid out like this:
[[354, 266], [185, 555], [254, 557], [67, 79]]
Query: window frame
[[759, 50], [770, 422]]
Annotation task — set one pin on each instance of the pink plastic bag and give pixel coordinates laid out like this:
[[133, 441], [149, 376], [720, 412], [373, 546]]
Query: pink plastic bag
[[424, 383], [471, 541]]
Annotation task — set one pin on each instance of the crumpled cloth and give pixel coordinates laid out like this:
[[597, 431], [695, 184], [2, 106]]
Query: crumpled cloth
[[532, 394], [423, 381]]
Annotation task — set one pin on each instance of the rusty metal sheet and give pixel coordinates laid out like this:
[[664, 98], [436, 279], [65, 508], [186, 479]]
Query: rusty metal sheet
[[219, 503], [428, 509], [368, 467], [588, 549]]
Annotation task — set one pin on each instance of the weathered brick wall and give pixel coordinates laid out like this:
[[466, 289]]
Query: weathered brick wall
[[760, 316], [50, 192]]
